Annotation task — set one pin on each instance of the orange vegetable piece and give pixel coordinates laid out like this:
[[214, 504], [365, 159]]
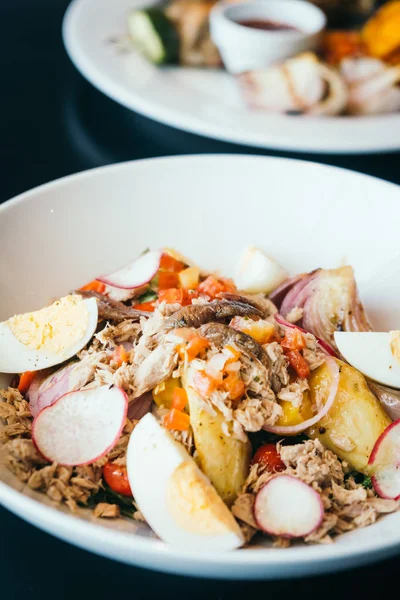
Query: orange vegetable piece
[[212, 286], [185, 333], [94, 286], [176, 419], [120, 355], [196, 346], [337, 45], [234, 354], [299, 363], [293, 340], [269, 456], [175, 296], [147, 306], [116, 477], [234, 386], [25, 381], [203, 384], [381, 33], [179, 398], [169, 263], [167, 280]]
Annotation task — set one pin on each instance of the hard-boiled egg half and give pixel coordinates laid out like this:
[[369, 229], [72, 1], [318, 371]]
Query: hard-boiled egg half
[[376, 355], [47, 337], [175, 497], [258, 273]]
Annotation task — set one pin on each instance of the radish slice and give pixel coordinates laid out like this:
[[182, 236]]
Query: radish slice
[[46, 389], [291, 429], [139, 272], [385, 462], [81, 427], [288, 507], [324, 345]]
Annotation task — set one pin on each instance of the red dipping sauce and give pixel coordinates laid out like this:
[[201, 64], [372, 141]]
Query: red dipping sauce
[[266, 25]]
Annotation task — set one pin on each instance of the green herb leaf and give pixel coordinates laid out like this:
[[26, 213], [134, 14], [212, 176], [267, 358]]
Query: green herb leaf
[[148, 296]]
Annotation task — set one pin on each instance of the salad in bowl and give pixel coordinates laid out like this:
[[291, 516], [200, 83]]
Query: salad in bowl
[[216, 410]]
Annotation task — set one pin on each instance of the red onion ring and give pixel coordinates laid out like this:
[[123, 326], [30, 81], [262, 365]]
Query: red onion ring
[[291, 429], [324, 345]]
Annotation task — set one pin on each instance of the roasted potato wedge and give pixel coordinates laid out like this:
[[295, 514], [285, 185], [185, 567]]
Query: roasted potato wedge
[[355, 420], [224, 459]]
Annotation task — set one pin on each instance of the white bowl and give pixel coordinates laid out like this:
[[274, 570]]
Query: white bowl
[[60, 235], [245, 48]]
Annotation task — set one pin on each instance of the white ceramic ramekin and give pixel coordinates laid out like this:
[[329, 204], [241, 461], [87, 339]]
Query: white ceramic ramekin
[[245, 48]]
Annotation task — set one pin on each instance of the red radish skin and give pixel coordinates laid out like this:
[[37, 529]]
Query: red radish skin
[[384, 463], [136, 274], [81, 427], [287, 507]]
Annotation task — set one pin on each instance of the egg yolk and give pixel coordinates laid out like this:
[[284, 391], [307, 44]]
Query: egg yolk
[[54, 328], [195, 505]]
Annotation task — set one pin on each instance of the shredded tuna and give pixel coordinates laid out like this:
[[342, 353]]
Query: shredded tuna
[[106, 511]]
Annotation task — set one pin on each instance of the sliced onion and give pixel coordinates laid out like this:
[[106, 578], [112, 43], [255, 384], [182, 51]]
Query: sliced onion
[[136, 274], [388, 397], [324, 345], [279, 293], [295, 297], [291, 429]]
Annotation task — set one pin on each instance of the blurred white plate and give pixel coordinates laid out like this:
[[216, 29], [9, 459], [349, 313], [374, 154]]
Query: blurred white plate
[[208, 207], [202, 101]]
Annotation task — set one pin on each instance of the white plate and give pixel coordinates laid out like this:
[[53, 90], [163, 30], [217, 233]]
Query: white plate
[[204, 101], [58, 236]]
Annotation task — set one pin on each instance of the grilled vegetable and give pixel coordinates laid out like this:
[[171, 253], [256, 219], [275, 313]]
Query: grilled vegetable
[[355, 420]]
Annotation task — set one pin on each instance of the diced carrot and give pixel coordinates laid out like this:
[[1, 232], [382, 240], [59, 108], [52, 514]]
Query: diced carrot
[[299, 363], [176, 419], [169, 263], [179, 398], [232, 353], [203, 384], [25, 381], [196, 346], [167, 279], [293, 340], [94, 286], [212, 286], [175, 296], [120, 355], [147, 306], [234, 386]]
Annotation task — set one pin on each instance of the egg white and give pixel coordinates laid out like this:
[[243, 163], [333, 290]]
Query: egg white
[[370, 353], [153, 459], [16, 357]]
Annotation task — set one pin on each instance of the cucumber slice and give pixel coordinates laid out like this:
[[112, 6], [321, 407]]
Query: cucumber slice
[[154, 35]]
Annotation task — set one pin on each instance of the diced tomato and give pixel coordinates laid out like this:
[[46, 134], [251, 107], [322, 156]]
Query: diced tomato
[[196, 346], [25, 381], [167, 279], [169, 263], [293, 340], [94, 286], [147, 306], [269, 456], [116, 477], [176, 419], [212, 286], [203, 384], [179, 398], [234, 386], [120, 355], [175, 296], [299, 363]]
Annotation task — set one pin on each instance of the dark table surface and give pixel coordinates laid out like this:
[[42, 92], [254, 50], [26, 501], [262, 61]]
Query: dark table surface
[[53, 123]]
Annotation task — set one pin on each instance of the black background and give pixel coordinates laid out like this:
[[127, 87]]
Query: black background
[[53, 123]]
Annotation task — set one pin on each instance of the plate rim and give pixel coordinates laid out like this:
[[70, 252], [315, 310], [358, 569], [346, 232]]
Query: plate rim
[[189, 123], [147, 552]]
